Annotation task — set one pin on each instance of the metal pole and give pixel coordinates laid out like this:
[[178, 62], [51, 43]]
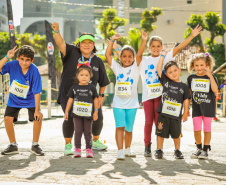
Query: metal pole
[[49, 99], [224, 101]]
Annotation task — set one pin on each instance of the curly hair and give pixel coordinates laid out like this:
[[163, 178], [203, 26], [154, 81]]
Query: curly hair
[[27, 51], [209, 60], [83, 67], [127, 48], [78, 44], [154, 38]]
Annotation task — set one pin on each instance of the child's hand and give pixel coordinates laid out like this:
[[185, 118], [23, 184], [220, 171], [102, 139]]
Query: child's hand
[[196, 31], [116, 37], [38, 116], [144, 35], [115, 45], [184, 117], [66, 116], [208, 72], [55, 26], [163, 52], [95, 115], [11, 53]]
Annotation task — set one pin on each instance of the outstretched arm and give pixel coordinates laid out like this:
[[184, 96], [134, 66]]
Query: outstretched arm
[[10, 54], [109, 48], [213, 83], [58, 38], [115, 47], [140, 52], [193, 34], [160, 63]]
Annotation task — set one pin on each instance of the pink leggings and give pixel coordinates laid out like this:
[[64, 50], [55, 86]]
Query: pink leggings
[[197, 122], [151, 114]]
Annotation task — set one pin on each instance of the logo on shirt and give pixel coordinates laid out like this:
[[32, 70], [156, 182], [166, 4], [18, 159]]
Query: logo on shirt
[[82, 90], [181, 91], [91, 93], [160, 125], [95, 68], [166, 85], [200, 98], [151, 75]]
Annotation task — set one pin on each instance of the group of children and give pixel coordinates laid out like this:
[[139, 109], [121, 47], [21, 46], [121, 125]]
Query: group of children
[[165, 98]]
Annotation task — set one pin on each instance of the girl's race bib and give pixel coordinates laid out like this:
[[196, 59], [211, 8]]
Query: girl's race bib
[[154, 90], [19, 89], [201, 85], [171, 108], [82, 109], [123, 88]]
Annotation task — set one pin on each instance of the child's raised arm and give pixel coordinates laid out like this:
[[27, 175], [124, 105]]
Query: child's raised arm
[[110, 46], [10, 54], [160, 63], [68, 107], [193, 34], [140, 52]]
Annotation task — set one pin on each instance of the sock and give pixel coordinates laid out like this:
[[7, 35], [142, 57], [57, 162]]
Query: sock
[[199, 146], [34, 143], [206, 147], [14, 144]]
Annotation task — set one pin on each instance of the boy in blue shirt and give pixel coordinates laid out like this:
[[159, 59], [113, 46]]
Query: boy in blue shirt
[[25, 89]]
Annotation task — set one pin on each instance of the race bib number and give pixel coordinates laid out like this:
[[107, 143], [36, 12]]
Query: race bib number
[[123, 88], [201, 85], [171, 108], [154, 90], [18, 89], [82, 109]]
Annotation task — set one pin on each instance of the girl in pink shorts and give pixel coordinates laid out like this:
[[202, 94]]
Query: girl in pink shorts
[[203, 86]]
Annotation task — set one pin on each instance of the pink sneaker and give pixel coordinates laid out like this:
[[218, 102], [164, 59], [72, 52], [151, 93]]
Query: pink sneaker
[[89, 153], [77, 153]]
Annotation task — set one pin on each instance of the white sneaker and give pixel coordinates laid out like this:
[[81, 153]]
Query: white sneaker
[[129, 153], [121, 155]]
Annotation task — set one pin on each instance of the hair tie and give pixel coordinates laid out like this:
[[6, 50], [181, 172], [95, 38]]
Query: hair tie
[[207, 54], [81, 64]]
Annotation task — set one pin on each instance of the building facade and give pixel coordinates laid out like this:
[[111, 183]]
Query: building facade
[[3, 17]]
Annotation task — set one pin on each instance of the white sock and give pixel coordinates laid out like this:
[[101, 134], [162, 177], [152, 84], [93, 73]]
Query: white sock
[[14, 144], [34, 143]]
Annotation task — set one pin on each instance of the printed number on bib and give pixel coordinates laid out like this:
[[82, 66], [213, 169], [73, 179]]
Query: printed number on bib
[[82, 109], [123, 88], [201, 85], [171, 108], [18, 89], [154, 90]]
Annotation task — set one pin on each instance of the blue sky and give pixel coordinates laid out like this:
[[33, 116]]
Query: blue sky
[[17, 11]]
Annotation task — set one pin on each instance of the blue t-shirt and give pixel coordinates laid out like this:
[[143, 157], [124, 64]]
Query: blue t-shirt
[[31, 78]]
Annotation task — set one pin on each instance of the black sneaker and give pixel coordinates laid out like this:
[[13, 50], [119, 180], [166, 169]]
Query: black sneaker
[[35, 149], [203, 155], [178, 154], [196, 154], [11, 149], [147, 151], [158, 154]]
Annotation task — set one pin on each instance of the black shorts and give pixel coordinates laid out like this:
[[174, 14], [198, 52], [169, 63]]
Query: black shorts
[[168, 126], [13, 112]]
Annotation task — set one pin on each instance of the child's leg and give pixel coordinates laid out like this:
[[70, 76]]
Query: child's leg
[[78, 125], [149, 112], [37, 130], [207, 130], [130, 118], [160, 141], [120, 121], [197, 122], [10, 129], [88, 132], [156, 104], [177, 143]]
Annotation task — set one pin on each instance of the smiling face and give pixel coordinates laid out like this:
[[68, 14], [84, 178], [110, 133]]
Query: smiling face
[[87, 46], [200, 66], [155, 48], [127, 58], [24, 62], [173, 73]]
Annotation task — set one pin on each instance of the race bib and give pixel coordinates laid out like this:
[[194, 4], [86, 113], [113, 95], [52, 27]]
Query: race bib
[[82, 109], [123, 88], [154, 90], [171, 108], [201, 85], [18, 89]]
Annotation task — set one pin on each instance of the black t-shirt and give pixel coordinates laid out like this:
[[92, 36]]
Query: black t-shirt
[[83, 96], [174, 94], [70, 62], [203, 100]]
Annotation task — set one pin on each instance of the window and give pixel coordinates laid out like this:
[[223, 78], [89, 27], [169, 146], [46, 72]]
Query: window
[[138, 4], [189, 2], [134, 18], [103, 3], [38, 8]]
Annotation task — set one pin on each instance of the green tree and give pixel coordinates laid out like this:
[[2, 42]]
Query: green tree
[[4, 44], [149, 17], [134, 38]]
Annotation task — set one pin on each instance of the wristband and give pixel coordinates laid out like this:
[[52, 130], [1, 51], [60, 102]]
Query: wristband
[[56, 31], [95, 109], [117, 49], [112, 40], [163, 56], [7, 57]]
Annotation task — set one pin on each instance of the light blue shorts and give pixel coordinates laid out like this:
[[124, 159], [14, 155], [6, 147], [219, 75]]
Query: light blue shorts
[[125, 118]]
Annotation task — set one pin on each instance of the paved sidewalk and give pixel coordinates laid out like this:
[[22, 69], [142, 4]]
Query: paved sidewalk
[[55, 168]]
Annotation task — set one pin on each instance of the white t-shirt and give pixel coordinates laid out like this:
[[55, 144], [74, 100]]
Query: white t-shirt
[[149, 73], [129, 74]]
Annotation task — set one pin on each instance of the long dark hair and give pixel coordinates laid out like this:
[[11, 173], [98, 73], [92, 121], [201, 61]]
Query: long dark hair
[[83, 67], [78, 44]]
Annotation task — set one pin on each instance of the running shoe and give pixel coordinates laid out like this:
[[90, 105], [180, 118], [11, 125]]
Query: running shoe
[[11, 149], [196, 154], [203, 155], [147, 150], [68, 150], [129, 153], [158, 154], [178, 154], [98, 145], [121, 155], [35, 149], [89, 153], [77, 153]]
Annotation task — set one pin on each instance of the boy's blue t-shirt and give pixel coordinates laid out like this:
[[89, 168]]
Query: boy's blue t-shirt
[[31, 78]]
